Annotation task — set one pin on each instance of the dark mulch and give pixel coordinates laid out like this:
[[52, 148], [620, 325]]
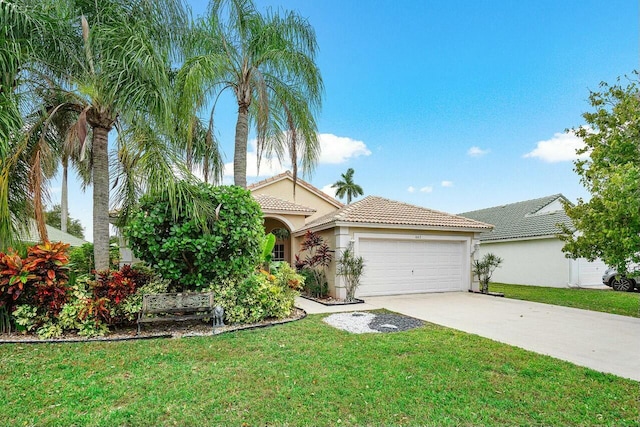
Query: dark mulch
[[332, 301]]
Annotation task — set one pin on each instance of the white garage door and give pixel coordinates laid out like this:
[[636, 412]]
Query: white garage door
[[590, 272], [396, 266]]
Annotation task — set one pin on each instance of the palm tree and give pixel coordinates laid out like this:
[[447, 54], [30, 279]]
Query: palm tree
[[116, 74], [28, 29], [346, 186], [267, 61]]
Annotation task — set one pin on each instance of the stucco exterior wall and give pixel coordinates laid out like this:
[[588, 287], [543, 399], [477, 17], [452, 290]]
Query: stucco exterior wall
[[283, 189], [537, 262]]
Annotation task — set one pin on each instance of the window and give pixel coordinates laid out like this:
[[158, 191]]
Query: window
[[278, 252]]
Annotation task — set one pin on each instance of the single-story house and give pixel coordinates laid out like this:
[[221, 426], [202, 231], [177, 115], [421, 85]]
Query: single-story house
[[525, 237], [407, 249]]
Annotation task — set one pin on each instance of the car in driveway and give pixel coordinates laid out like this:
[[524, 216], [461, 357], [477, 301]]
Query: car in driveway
[[617, 281]]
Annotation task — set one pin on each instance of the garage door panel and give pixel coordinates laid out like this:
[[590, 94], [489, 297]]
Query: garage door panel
[[396, 266]]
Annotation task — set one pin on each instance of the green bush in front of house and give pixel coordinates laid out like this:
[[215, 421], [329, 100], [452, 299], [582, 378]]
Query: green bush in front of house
[[262, 295], [194, 254]]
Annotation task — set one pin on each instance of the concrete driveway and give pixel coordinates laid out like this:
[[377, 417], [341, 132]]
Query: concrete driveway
[[600, 341]]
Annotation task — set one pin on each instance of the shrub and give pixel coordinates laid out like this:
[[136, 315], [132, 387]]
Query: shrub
[[193, 254], [350, 267], [261, 296], [40, 279], [26, 316], [484, 268], [313, 266], [14, 279]]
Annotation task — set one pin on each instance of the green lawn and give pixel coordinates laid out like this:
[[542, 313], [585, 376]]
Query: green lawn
[[605, 300], [306, 373]]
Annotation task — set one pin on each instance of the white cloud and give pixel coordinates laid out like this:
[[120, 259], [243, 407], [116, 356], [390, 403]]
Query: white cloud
[[411, 189], [561, 148], [339, 149], [334, 150], [476, 151], [427, 189], [327, 189], [447, 183]]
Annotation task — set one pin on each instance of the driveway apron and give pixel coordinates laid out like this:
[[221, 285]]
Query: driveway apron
[[600, 341]]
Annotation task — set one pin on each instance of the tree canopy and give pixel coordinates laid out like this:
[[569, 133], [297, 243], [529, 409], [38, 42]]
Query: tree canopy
[[268, 62], [608, 225], [54, 219]]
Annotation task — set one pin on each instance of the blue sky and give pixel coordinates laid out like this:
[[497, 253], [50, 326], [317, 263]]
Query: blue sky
[[451, 105]]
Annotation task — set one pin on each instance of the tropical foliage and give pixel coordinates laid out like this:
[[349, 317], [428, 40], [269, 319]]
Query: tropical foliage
[[350, 267], [194, 255], [345, 187], [608, 225], [317, 257], [260, 296], [108, 67], [267, 62]]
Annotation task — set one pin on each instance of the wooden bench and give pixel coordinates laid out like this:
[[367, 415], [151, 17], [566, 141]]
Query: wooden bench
[[179, 307]]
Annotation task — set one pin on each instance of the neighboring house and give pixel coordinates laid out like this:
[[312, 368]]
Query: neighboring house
[[54, 234], [525, 237], [407, 249]]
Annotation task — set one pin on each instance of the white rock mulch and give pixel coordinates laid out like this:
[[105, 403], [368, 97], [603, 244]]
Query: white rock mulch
[[362, 323]]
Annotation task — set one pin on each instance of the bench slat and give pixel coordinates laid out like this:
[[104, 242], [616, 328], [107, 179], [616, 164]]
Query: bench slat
[[185, 302]]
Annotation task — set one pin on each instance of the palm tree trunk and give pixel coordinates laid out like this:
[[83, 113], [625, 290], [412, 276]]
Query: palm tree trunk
[[101, 198], [38, 205], [240, 153], [64, 199]]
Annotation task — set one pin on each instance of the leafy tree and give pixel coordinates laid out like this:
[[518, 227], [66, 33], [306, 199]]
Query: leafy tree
[[346, 186], [608, 225], [54, 219], [267, 60], [193, 256]]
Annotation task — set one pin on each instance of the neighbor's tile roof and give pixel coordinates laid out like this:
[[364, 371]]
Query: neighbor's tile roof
[[378, 210], [302, 183], [520, 220], [270, 203], [54, 235]]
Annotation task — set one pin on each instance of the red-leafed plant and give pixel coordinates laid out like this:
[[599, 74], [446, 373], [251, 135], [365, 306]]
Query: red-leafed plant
[[316, 260], [48, 263], [96, 309], [14, 278], [113, 285]]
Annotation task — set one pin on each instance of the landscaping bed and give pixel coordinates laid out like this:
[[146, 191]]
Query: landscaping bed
[[328, 301], [178, 329]]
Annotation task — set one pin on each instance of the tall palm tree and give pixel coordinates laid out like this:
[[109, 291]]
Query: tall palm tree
[[29, 29], [346, 186], [116, 74], [268, 62]]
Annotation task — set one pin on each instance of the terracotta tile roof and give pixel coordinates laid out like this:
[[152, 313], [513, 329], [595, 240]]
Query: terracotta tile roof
[[378, 210], [270, 203], [522, 219], [302, 183]]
